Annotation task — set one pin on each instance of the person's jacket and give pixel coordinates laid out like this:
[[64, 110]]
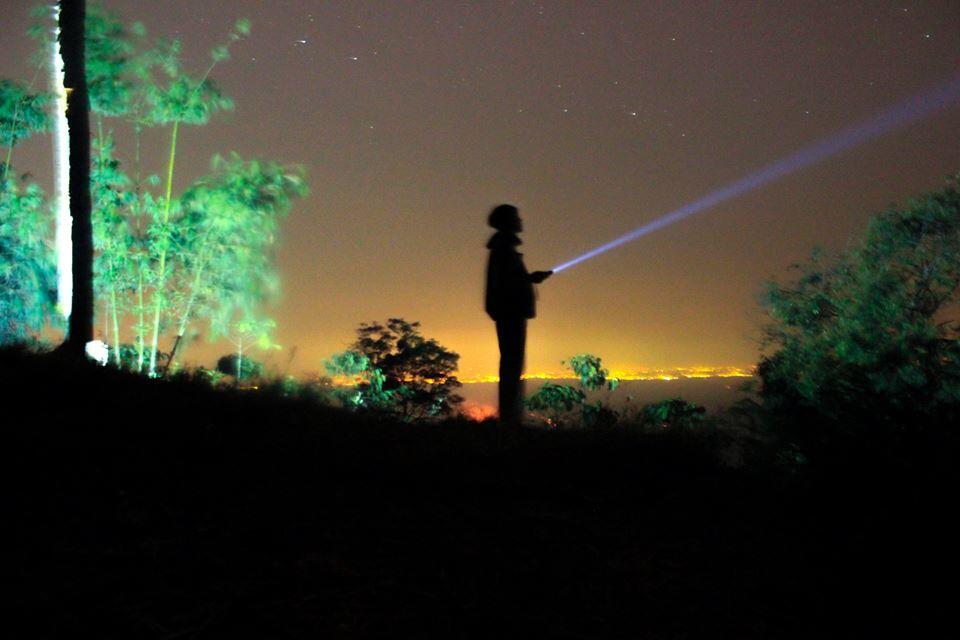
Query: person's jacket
[[509, 291]]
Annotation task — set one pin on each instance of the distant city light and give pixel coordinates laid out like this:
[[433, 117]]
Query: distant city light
[[673, 373]]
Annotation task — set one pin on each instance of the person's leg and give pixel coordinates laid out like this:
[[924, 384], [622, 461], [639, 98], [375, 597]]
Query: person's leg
[[503, 386], [511, 336]]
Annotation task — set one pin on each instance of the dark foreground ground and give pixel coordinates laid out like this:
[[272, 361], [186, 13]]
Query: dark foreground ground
[[138, 509]]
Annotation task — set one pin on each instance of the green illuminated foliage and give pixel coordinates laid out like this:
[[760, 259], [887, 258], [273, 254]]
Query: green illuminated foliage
[[174, 98], [238, 367], [557, 401], [110, 58], [114, 267], [367, 391], [565, 405], [246, 330], [226, 235], [870, 336], [27, 269], [186, 100], [673, 413], [22, 114], [592, 375], [163, 262], [347, 364]]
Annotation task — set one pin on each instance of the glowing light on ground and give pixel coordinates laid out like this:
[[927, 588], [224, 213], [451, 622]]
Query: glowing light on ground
[[899, 115], [478, 412], [98, 351]]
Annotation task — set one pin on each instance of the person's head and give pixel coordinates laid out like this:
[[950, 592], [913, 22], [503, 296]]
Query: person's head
[[505, 217]]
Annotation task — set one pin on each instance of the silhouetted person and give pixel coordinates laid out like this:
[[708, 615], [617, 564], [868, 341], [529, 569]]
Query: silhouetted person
[[510, 301]]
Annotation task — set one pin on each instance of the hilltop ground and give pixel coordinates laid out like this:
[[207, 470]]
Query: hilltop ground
[[140, 509]]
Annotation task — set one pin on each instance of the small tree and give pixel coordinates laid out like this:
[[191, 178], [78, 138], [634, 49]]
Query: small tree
[[589, 369], [176, 98], [247, 331], [421, 371], [565, 404], [227, 235], [235, 365], [869, 337]]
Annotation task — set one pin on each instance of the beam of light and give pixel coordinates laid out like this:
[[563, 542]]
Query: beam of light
[[61, 168], [898, 115]]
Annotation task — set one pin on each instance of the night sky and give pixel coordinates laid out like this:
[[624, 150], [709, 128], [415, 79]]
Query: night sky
[[414, 118]]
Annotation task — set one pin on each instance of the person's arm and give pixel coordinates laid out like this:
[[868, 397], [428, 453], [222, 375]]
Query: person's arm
[[539, 276]]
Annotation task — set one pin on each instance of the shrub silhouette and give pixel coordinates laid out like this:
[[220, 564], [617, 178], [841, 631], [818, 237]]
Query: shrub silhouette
[[398, 371], [227, 365], [673, 413]]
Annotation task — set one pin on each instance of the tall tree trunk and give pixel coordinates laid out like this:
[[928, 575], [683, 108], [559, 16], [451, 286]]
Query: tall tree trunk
[[116, 325], [159, 299], [185, 317], [72, 15], [239, 360], [141, 324], [61, 170]]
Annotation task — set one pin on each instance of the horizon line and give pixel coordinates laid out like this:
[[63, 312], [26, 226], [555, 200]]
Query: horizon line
[[660, 373]]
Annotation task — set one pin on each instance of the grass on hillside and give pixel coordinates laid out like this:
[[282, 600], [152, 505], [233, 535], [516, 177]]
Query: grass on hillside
[[150, 509]]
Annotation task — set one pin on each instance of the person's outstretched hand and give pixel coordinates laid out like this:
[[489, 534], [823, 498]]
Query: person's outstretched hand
[[539, 276]]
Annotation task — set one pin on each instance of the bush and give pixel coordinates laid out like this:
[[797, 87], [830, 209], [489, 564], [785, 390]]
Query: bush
[[409, 375], [227, 365], [565, 405], [674, 413], [867, 339], [395, 370]]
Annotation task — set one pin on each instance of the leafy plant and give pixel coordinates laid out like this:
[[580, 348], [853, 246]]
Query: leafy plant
[[558, 401], [869, 337], [673, 413], [565, 404], [246, 332], [226, 235], [175, 98], [592, 375], [238, 367], [367, 391], [27, 270], [22, 114], [162, 261]]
